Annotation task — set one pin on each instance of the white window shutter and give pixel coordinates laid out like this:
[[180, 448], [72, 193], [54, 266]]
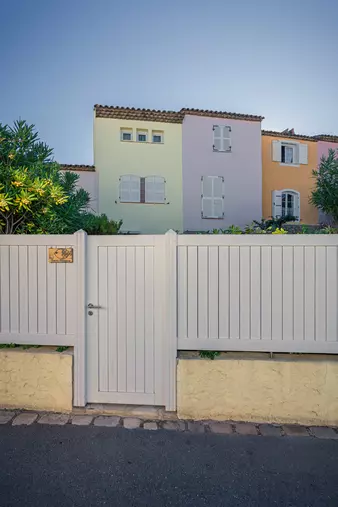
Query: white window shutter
[[297, 205], [226, 140], [303, 153], [155, 189], [276, 151], [212, 197], [130, 189], [276, 203], [217, 138]]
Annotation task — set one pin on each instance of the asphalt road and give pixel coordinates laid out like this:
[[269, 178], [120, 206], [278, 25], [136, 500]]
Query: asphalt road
[[92, 466]]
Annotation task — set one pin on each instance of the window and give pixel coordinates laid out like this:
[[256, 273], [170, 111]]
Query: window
[[143, 190], [157, 136], [126, 134], [289, 153], [142, 136], [221, 135], [155, 189], [285, 202], [212, 197], [130, 189]]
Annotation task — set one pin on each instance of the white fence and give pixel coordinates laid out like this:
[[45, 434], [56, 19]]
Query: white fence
[[163, 294], [258, 293]]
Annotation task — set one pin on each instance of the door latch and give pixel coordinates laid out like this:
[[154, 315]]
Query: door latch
[[90, 305]]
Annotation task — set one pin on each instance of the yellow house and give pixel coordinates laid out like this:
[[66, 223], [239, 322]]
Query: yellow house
[[288, 160], [138, 157]]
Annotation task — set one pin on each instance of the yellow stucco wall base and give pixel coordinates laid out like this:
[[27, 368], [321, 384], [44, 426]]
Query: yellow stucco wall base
[[286, 389], [36, 379]]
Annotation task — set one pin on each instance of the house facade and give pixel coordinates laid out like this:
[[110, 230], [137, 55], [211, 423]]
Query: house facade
[[288, 160], [222, 169], [138, 159], [87, 180]]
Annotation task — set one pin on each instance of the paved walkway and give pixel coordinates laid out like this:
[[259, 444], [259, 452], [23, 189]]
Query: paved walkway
[[226, 428], [81, 466]]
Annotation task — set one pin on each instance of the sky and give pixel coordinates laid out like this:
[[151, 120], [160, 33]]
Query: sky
[[274, 58]]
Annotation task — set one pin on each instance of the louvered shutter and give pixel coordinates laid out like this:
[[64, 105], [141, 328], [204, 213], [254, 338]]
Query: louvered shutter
[[226, 140], [155, 189], [276, 151], [130, 188], [297, 205], [212, 197], [303, 153], [217, 138], [276, 203]]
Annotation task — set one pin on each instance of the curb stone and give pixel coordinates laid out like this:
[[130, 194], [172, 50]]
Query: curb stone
[[226, 428]]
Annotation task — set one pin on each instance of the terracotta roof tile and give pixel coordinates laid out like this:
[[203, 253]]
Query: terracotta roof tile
[[288, 134], [130, 113], [221, 114], [77, 167], [327, 137]]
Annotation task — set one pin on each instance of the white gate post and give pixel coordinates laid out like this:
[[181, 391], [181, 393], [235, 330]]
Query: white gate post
[[80, 346], [170, 313]]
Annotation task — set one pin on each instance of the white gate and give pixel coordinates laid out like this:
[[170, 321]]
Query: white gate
[[126, 323]]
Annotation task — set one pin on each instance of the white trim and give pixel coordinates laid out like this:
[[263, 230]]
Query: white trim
[[157, 133], [296, 204], [140, 132]]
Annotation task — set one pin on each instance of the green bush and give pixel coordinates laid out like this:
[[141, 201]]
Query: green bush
[[101, 224]]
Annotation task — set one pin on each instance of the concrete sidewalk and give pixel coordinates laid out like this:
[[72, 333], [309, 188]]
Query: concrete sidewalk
[[73, 466]]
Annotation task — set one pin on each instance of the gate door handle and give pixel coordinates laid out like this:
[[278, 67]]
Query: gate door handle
[[90, 305]]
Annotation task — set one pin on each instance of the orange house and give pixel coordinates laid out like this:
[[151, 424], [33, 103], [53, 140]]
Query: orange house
[[288, 160]]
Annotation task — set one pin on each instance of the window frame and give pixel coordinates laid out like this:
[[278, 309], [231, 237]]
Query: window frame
[[296, 204], [126, 131], [142, 133], [295, 149], [157, 133]]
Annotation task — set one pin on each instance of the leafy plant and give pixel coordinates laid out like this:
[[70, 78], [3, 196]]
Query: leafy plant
[[8, 345], [61, 349], [325, 193], [271, 224], [279, 231], [209, 354], [35, 196], [101, 224]]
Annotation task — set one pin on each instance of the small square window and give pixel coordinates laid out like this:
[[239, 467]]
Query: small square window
[[157, 137], [126, 135], [142, 136]]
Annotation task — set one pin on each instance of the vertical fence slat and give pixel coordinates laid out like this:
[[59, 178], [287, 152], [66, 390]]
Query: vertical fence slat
[[14, 288], [255, 297], [42, 292], [61, 298], [213, 292], [298, 293], [102, 316], [33, 289], [332, 301], [309, 293], [70, 298], [234, 293], [320, 293], [5, 283], [149, 321], [266, 301], [223, 292], [244, 291], [277, 293], [182, 283], [112, 320], [288, 293], [121, 319], [140, 317], [23, 284], [203, 324], [192, 291], [131, 324]]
